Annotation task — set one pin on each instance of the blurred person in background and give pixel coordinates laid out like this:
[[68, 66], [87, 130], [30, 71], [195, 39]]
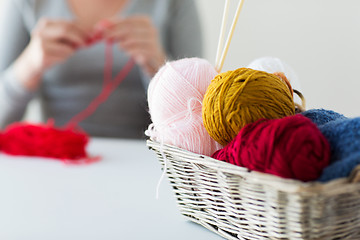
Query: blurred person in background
[[44, 53]]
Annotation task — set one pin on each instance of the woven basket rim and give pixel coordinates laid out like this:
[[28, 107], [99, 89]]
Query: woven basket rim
[[334, 187]]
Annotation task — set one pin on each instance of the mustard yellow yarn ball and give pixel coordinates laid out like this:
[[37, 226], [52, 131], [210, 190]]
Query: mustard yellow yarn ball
[[236, 98]]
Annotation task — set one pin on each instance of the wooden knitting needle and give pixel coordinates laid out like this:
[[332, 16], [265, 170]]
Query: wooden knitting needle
[[222, 32], [219, 66]]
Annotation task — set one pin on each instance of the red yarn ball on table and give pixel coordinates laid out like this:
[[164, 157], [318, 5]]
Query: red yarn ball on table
[[43, 141], [290, 147]]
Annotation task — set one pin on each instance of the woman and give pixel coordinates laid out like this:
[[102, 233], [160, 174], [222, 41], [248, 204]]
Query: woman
[[45, 52]]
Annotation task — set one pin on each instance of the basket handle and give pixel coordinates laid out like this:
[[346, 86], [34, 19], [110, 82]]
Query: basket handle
[[302, 107], [355, 175]]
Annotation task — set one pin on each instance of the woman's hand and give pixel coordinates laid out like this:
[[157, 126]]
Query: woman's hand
[[138, 36], [52, 42]]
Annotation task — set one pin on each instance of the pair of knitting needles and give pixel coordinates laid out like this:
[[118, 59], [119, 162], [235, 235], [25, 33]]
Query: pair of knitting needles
[[220, 56]]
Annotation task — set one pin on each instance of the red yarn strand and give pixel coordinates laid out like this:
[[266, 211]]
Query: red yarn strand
[[108, 86], [108, 64]]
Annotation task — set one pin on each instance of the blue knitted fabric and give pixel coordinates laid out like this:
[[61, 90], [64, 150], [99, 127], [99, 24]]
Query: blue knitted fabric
[[341, 168], [343, 135], [322, 116]]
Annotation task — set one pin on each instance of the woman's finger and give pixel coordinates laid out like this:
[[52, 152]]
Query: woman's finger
[[61, 30], [136, 43], [56, 49], [132, 27], [140, 39]]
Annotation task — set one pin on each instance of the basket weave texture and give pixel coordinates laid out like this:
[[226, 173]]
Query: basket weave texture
[[238, 204]]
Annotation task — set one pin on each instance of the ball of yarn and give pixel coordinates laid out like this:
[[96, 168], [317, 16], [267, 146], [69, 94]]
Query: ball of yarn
[[272, 65], [237, 98], [291, 147], [275, 65], [175, 98], [23, 139]]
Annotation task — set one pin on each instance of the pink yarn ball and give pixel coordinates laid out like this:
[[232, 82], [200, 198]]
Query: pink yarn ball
[[175, 98]]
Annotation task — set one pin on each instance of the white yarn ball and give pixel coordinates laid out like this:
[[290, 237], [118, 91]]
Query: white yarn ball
[[271, 65], [175, 98]]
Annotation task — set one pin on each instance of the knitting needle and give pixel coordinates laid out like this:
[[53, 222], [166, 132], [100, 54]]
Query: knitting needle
[[222, 32], [231, 33]]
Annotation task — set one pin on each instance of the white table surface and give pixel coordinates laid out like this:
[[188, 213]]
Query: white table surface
[[42, 199]]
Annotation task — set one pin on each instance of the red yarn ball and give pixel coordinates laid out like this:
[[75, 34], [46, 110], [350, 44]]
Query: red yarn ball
[[291, 147], [43, 141]]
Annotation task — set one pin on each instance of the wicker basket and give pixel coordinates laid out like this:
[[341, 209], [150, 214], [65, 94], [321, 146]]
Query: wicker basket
[[238, 204]]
